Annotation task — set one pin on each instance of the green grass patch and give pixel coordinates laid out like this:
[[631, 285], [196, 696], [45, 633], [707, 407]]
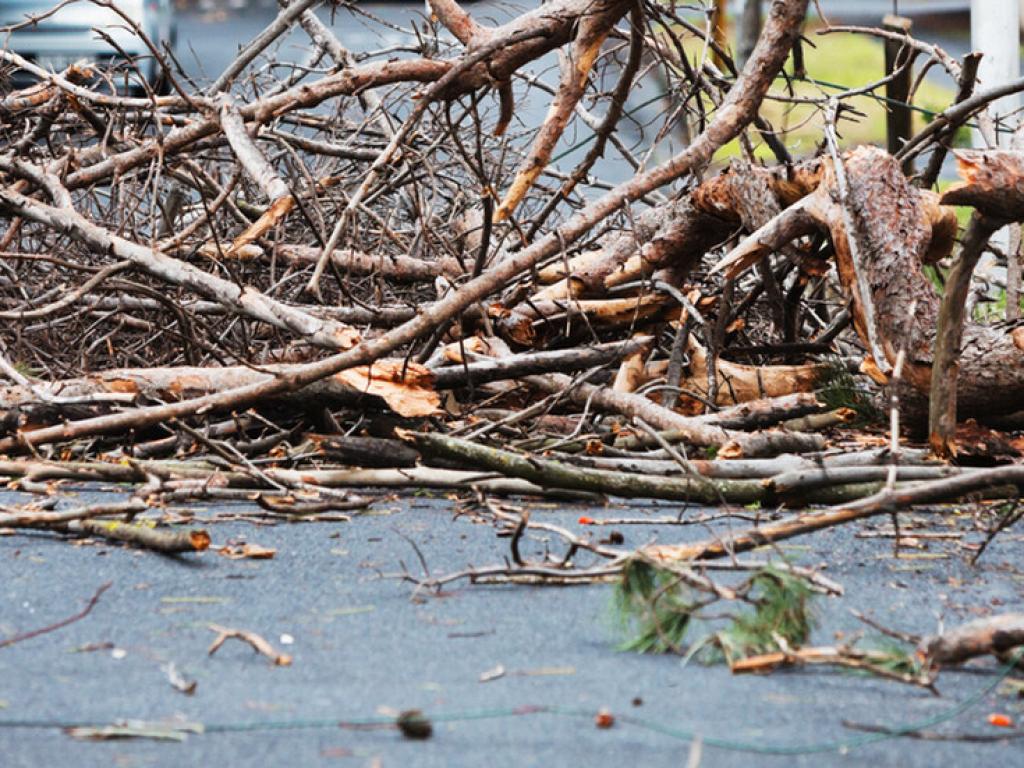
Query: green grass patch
[[843, 60]]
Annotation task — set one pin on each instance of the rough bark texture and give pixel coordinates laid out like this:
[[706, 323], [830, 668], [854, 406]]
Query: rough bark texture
[[994, 635], [896, 230], [674, 236], [993, 182]]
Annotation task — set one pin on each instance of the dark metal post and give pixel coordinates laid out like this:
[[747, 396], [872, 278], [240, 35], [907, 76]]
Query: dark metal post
[[749, 30], [898, 117]]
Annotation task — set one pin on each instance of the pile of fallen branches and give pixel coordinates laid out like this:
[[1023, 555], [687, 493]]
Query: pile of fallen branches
[[366, 271]]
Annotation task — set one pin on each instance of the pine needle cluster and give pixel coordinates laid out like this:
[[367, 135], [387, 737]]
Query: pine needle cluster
[[837, 388], [658, 609]]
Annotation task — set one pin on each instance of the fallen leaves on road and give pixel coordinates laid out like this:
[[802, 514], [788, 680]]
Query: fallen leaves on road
[[136, 729], [246, 551]]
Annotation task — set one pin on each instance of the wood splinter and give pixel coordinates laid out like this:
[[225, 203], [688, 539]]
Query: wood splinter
[[258, 644]]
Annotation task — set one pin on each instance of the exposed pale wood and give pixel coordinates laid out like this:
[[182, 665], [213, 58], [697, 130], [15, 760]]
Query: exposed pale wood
[[482, 371], [676, 236], [942, 401], [543, 29], [897, 229], [575, 65], [992, 182], [407, 388], [692, 430], [739, 383]]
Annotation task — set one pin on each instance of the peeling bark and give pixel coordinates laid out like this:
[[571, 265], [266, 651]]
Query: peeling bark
[[896, 230]]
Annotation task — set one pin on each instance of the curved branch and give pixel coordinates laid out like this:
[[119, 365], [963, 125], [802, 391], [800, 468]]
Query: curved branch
[[781, 31]]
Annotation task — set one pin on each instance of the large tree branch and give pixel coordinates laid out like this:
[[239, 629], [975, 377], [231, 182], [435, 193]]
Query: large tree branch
[[781, 31]]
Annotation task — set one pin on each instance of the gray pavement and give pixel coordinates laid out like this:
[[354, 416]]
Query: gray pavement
[[362, 647]]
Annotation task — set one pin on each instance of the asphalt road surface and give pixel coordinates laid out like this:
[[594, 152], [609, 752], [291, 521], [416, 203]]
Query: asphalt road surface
[[364, 649]]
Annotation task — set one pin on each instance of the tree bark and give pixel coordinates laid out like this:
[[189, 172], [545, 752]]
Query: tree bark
[[896, 229], [942, 401]]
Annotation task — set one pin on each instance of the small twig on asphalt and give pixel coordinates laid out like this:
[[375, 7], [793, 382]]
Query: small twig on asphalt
[[905, 637], [60, 624], [933, 736], [1009, 519], [258, 644]]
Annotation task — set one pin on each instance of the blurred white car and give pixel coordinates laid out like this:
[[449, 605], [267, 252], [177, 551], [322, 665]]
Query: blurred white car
[[84, 30]]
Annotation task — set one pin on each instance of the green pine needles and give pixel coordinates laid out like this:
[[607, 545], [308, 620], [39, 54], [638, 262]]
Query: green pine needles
[[837, 388], [658, 606], [781, 613], [654, 607]]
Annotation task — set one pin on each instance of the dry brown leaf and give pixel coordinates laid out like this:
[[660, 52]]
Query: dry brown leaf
[[246, 551]]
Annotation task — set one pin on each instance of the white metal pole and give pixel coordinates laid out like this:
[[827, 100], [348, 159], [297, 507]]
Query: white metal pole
[[995, 31]]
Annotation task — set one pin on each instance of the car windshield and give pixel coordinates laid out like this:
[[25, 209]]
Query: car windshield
[[79, 32], [18, 11]]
